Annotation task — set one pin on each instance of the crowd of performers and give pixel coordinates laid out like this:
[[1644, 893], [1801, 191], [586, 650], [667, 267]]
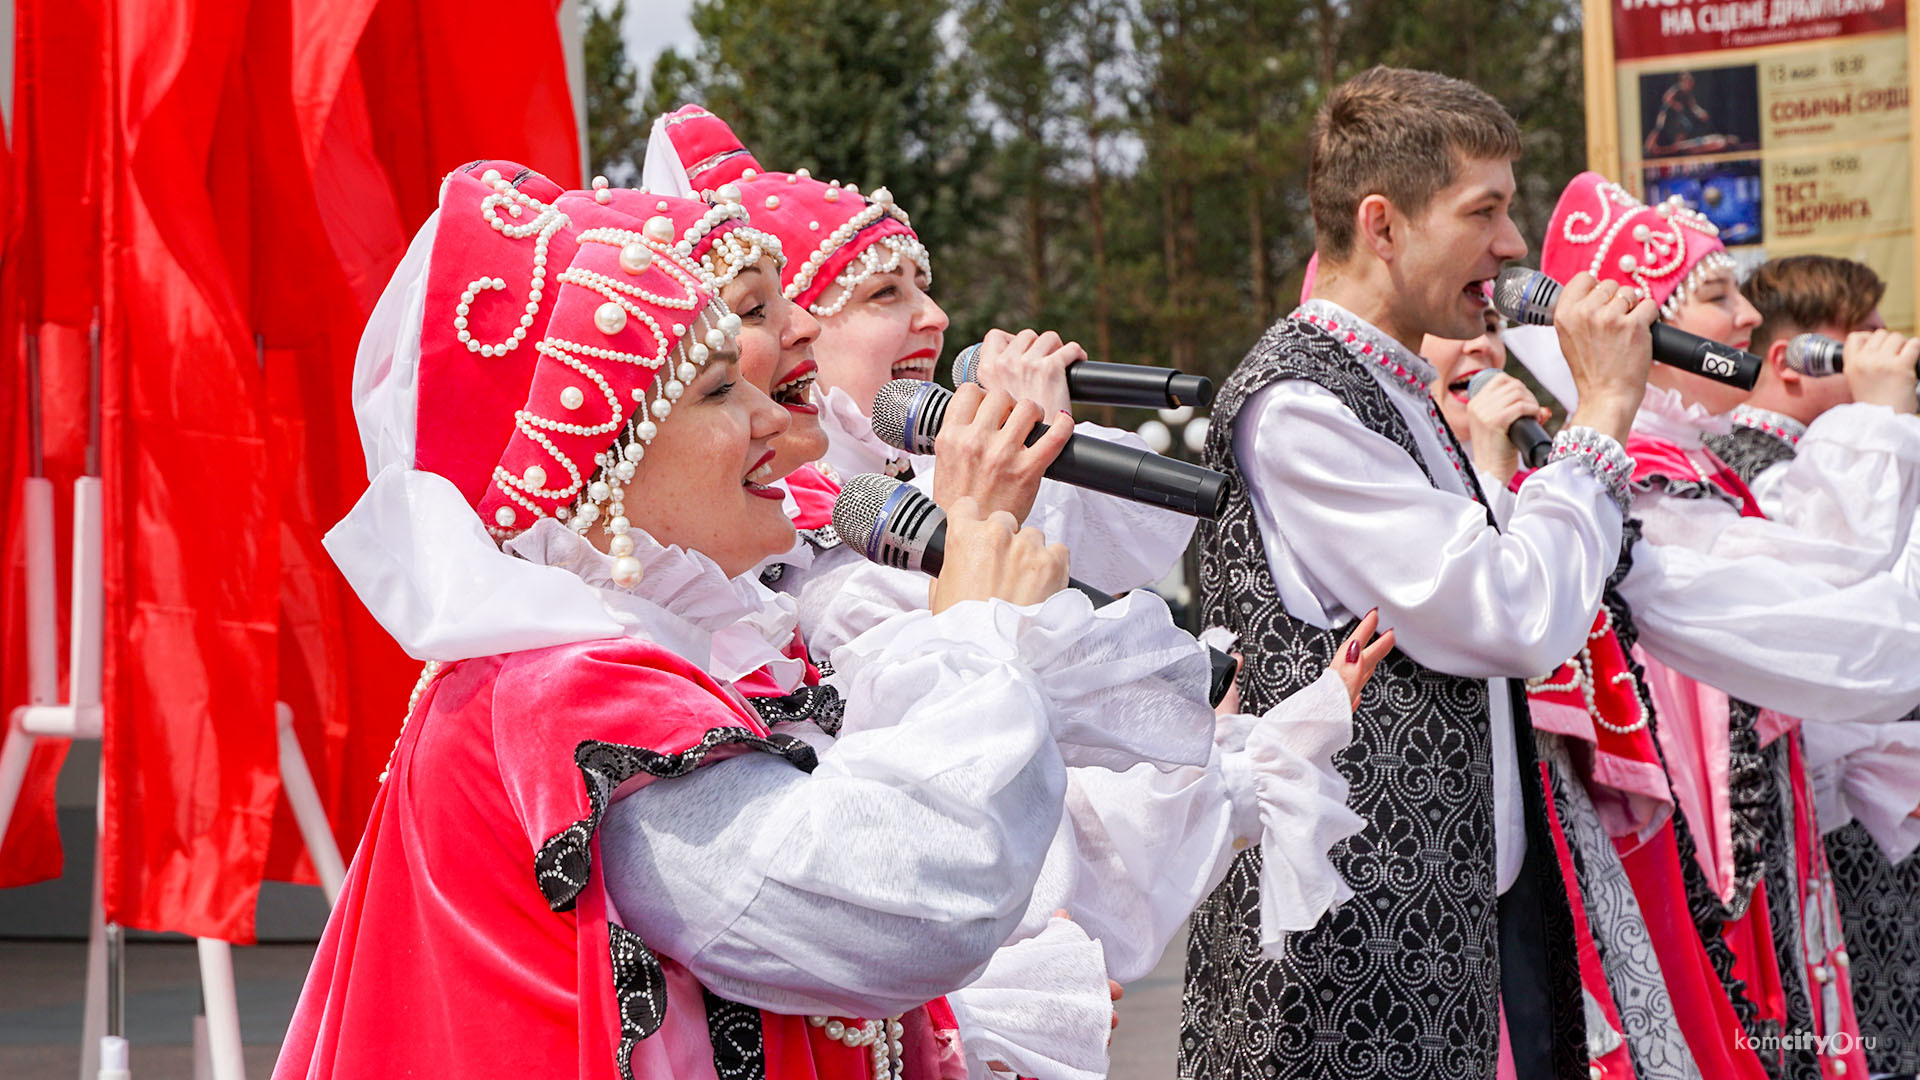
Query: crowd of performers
[[1623, 787]]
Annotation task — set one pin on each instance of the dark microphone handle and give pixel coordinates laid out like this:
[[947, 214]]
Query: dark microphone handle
[[1531, 440], [1690, 352], [1127, 473], [1128, 385]]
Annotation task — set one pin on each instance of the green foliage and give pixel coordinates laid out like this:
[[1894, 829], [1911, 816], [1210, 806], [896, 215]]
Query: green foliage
[[616, 132], [1131, 173]]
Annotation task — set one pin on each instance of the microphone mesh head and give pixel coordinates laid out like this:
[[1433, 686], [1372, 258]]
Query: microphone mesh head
[[966, 366], [1481, 379], [892, 406], [1525, 296], [1813, 354], [857, 509]]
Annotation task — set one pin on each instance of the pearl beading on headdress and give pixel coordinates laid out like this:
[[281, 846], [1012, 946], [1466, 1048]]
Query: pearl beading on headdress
[[879, 204], [1663, 249], [639, 251], [873, 261], [546, 221], [732, 251]]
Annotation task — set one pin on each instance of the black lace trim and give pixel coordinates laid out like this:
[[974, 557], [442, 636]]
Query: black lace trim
[[562, 865], [639, 990], [739, 1044], [1684, 489], [823, 537], [1752, 803], [820, 704], [1749, 451]]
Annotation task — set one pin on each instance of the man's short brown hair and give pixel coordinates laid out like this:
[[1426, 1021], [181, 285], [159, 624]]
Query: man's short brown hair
[[1801, 293], [1398, 133]]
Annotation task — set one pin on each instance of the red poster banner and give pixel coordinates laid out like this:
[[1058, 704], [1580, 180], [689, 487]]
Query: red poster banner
[[1644, 28]]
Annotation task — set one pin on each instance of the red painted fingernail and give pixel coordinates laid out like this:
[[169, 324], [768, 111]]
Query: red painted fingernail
[[1353, 652]]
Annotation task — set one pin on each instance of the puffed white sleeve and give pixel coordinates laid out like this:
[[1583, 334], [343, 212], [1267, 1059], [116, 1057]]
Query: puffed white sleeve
[[1041, 1009], [1138, 850], [1764, 612], [1346, 499], [1868, 773], [1853, 485], [885, 877]]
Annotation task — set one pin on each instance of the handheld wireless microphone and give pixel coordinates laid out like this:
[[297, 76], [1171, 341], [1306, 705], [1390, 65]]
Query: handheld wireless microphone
[[908, 413], [1096, 383], [1529, 296]]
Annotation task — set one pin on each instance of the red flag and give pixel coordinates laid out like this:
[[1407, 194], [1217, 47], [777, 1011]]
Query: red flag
[[48, 291]]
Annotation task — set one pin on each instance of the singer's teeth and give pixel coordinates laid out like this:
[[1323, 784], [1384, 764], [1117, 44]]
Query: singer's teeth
[[794, 389], [913, 369], [760, 475]]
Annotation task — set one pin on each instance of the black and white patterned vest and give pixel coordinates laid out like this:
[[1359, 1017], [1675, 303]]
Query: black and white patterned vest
[[1404, 980], [1749, 451]]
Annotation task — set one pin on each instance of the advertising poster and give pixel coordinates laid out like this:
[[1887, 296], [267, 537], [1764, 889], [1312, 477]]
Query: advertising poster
[[1786, 122]]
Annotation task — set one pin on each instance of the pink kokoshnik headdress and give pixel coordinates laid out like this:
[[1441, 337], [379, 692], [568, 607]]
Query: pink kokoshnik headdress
[[1665, 250], [833, 234]]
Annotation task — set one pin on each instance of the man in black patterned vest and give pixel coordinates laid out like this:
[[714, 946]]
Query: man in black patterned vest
[[1876, 874], [1349, 492]]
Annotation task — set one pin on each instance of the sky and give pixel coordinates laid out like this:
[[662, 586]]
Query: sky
[[652, 27]]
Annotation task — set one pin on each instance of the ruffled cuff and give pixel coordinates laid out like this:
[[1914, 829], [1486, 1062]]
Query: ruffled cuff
[[1041, 1007], [1302, 801], [1124, 684], [1599, 454]]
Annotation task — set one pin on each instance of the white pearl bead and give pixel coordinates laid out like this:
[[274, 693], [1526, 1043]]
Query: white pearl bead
[[505, 516], [598, 491], [880, 195], [803, 173], [610, 318], [661, 407], [773, 202], [831, 195], [1628, 264], [660, 228], [749, 174], [499, 283], [603, 196], [626, 571], [620, 545], [638, 395], [686, 373], [535, 476], [572, 397], [728, 193], [635, 257], [1641, 232], [675, 389], [620, 526], [813, 226], [698, 353], [459, 322], [730, 323], [679, 330], [490, 176], [624, 471], [486, 350], [716, 339], [646, 429], [599, 182], [661, 206], [834, 1029], [633, 452], [589, 512]]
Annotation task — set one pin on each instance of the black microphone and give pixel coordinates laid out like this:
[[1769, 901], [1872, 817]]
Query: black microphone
[[908, 413], [1095, 383], [895, 524], [1529, 296], [1526, 434], [1816, 355]]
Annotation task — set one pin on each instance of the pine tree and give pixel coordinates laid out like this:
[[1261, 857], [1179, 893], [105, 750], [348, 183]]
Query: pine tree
[[616, 129]]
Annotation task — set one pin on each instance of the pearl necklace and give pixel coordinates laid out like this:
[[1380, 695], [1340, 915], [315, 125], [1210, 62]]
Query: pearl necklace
[[882, 1035], [1582, 681]]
